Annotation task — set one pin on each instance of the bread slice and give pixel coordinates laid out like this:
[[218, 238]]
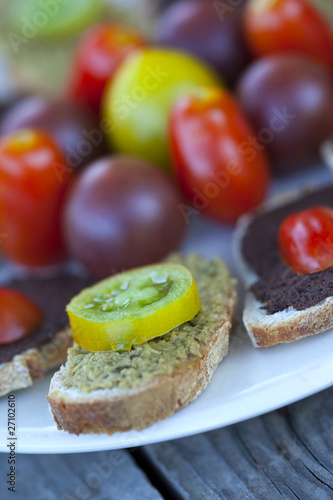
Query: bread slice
[[30, 365], [107, 392], [265, 329]]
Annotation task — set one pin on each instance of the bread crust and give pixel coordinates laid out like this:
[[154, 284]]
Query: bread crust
[[109, 411], [30, 365], [266, 330], [283, 327]]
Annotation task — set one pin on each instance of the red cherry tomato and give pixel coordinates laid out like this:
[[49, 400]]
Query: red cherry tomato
[[19, 316], [33, 180], [98, 55], [306, 240], [288, 25], [218, 169]]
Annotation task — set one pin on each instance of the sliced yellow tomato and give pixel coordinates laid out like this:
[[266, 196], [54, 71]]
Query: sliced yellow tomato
[[133, 307]]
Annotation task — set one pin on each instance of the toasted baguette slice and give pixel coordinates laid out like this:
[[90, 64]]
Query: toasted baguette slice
[[265, 329], [106, 392], [30, 365]]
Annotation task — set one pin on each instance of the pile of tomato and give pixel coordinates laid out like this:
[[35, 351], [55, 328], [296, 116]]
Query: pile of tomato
[[151, 133]]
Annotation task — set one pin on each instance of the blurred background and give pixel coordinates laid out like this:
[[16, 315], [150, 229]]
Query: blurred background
[[197, 89], [42, 64]]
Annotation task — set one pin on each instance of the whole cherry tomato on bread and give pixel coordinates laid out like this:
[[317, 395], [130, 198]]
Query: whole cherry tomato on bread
[[306, 240], [19, 316], [97, 56], [274, 26], [33, 181], [217, 167]]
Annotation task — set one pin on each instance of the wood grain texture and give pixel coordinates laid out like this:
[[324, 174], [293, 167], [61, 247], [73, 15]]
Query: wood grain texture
[[286, 454], [110, 475]]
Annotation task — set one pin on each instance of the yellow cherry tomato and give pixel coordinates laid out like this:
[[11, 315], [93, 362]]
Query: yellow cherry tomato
[[133, 307], [136, 102]]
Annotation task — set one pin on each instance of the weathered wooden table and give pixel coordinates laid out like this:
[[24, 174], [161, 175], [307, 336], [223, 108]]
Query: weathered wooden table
[[286, 454]]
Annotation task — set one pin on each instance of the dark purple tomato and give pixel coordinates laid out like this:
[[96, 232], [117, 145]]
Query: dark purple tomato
[[289, 101], [74, 128], [206, 30], [122, 212]]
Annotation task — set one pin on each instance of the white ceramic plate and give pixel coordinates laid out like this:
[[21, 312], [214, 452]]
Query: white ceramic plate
[[247, 383]]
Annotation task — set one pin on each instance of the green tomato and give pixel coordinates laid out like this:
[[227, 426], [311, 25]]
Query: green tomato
[[137, 100], [133, 307], [53, 20]]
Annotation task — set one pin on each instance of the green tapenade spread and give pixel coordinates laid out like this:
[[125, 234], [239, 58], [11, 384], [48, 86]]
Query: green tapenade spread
[[88, 371]]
